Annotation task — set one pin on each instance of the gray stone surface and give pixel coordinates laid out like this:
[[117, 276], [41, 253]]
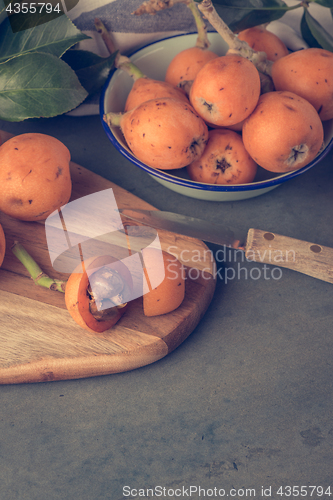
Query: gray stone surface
[[245, 402]]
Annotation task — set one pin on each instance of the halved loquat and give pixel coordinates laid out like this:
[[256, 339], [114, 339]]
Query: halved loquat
[[97, 292], [166, 282]]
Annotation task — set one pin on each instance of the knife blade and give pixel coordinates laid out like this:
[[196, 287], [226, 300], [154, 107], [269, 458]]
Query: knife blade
[[265, 247]]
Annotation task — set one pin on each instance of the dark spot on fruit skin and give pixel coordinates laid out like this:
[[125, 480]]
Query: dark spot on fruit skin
[[16, 149], [16, 201], [30, 201], [290, 108], [47, 376], [41, 213], [59, 172], [228, 147], [26, 175]]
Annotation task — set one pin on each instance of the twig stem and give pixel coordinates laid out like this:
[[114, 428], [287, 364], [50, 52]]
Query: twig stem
[[36, 273], [236, 46], [106, 37]]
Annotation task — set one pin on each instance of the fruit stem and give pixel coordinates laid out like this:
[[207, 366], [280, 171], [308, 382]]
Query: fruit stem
[[236, 46], [36, 273], [153, 6], [202, 40], [113, 119], [124, 63], [106, 37], [121, 62]]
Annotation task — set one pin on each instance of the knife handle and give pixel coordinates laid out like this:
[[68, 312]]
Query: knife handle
[[281, 251]]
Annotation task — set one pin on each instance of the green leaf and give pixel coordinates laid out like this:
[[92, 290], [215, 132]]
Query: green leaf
[[239, 15], [53, 37], [314, 34], [91, 69], [306, 33], [37, 85]]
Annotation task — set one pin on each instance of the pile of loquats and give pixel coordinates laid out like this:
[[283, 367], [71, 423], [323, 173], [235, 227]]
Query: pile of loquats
[[36, 179], [220, 117]]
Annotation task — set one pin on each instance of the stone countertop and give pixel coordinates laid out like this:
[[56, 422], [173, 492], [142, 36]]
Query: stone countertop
[[244, 403]]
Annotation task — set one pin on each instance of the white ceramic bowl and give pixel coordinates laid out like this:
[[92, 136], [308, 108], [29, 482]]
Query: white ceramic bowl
[[153, 60]]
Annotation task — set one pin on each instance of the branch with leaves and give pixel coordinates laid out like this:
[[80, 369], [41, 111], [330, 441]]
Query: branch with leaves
[[52, 77], [239, 15]]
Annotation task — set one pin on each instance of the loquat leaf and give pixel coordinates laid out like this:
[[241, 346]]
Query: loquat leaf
[[36, 85], [53, 37], [240, 14], [314, 33], [91, 69]]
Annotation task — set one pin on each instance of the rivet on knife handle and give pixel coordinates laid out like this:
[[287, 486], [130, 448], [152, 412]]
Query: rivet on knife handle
[[281, 251]]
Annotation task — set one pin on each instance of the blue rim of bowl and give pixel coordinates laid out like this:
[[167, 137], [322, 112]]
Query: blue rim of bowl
[[164, 175]]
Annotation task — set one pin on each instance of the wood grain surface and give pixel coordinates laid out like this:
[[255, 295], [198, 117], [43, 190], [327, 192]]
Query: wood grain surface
[[39, 341], [305, 257]]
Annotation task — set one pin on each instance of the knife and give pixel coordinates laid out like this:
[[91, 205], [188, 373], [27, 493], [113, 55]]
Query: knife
[[265, 247]]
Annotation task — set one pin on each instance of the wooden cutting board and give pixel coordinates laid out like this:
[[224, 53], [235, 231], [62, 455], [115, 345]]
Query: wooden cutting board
[[40, 342]]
